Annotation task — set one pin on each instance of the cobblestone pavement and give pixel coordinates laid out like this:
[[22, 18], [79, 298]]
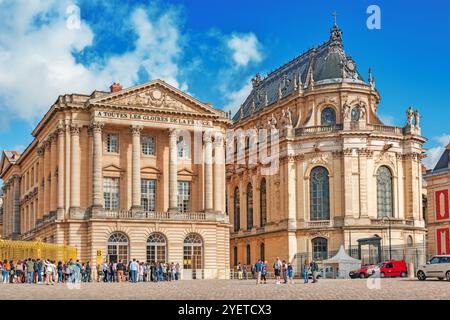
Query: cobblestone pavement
[[235, 289]]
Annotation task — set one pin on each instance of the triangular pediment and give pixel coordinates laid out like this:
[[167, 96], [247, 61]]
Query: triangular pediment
[[186, 172], [156, 95], [112, 168]]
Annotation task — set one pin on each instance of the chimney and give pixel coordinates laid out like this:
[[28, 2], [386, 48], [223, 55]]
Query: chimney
[[115, 87]]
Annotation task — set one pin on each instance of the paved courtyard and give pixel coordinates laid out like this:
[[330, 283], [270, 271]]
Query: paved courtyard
[[235, 289]]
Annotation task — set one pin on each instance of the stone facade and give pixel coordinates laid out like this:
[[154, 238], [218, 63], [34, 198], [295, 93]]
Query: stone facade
[[326, 117], [80, 181], [438, 204]]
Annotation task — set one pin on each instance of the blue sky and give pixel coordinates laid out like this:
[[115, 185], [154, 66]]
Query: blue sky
[[212, 48]]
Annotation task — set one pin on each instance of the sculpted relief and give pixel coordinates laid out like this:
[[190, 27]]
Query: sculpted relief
[[153, 98]]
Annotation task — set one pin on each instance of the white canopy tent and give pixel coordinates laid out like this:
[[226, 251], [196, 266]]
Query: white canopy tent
[[343, 264]]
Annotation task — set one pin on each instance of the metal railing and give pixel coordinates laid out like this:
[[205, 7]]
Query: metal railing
[[20, 250]]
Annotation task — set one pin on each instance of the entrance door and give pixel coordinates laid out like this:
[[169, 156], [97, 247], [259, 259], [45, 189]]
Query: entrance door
[[193, 255]]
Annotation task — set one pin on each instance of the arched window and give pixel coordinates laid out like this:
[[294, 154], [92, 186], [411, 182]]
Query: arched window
[[249, 206], [237, 211], [263, 203], [156, 248], [319, 248], [183, 148], [193, 253], [328, 117], [384, 192], [410, 241], [319, 194], [262, 253], [118, 247], [235, 255], [249, 255]]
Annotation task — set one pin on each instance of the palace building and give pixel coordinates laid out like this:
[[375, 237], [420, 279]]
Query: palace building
[[438, 204], [121, 175], [344, 177]]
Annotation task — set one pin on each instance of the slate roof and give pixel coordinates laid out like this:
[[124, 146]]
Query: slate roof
[[444, 160], [327, 63]]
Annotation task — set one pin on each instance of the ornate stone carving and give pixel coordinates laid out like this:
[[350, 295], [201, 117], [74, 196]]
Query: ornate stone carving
[[74, 129], [96, 126], [409, 116], [319, 159], [154, 98], [136, 130]]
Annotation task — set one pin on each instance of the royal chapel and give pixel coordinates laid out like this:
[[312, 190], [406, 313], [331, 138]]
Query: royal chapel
[[136, 173], [344, 177]]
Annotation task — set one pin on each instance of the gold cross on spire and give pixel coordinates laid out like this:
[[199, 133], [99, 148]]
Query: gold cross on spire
[[334, 14]]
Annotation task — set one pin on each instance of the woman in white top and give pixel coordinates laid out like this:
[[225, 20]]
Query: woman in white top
[[50, 270]]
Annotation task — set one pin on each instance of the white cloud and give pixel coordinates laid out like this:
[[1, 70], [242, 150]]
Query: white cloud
[[37, 62], [433, 154], [245, 48], [236, 98], [387, 119]]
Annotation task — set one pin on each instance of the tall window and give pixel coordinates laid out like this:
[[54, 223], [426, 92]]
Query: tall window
[[235, 256], [237, 211], [384, 192], [111, 193], [118, 247], [112, 143], [148, 194], [262, 253], [249, 206], [184, 196], [183, 148], [193, 252], [328, 117], [320, 248], [263, 203], [148, 146], [319, 194], [156, 248], [249, 255]]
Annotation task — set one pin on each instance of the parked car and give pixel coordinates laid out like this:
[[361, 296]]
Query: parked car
[[364, 272], [436, 267], [393, 268], [327, 271]]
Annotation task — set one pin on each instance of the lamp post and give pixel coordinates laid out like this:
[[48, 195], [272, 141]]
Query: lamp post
[[390, 243]]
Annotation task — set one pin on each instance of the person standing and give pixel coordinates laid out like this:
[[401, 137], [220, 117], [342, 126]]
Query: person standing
[[60, 272], [5, 271], [88, 272], [245, 272], [284, 271], [264, 271], [134, 267], [314, 269], [290, 273], [277, 269], [257, 270], [239, 271], [177, 271], [30, 270], [306, 270]]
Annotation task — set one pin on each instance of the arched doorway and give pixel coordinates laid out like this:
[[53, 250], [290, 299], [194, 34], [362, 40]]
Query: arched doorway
[[157, 248], [118, 247], [193, 254]]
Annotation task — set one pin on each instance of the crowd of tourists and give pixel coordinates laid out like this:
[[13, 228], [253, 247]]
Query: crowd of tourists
[[281, 269], [136, 271], [49, 272]]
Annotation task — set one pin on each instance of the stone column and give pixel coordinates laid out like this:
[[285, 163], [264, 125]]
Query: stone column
[[75, 166], [136, 168], [16, 207], [208, 172], [41, 182], [53, 163], [46, 179], [60, 210], [173, 170], [219, 174], [97, 163]]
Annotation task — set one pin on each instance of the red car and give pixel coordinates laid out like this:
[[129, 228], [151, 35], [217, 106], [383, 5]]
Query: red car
[[365, 272], [393, 268]]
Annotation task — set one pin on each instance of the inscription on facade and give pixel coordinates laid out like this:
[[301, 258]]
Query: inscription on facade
[[151, 118]]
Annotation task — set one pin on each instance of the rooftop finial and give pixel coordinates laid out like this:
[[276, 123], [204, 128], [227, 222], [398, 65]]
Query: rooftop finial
[[334, 14]]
